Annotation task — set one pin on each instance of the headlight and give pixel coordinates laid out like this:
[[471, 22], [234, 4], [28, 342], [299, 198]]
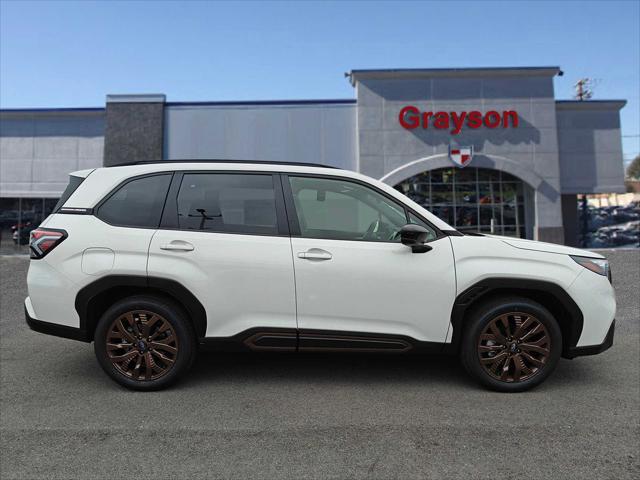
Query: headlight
[[596, 265]]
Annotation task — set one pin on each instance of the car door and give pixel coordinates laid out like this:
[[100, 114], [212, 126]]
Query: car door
[[352, 273], [224, 237]]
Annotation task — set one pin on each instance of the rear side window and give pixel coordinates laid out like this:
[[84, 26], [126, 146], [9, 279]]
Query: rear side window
[[228, 203], [137, 203], [74, 183]]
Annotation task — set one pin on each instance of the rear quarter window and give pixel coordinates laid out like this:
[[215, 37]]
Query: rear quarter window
[[137, 203], [74, 183]]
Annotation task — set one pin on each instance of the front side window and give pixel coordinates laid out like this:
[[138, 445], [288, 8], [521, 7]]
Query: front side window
[[417, 221], [341, 210], [228, 203], [137, 203]]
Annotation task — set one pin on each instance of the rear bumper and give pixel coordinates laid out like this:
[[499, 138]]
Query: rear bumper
[[55, 329], [593, 349]]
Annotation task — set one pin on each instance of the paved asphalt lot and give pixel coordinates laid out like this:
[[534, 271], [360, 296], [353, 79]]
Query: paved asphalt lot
[[329, 416]]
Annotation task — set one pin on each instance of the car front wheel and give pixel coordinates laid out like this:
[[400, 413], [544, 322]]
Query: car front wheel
[[145, 342], [511, 344]]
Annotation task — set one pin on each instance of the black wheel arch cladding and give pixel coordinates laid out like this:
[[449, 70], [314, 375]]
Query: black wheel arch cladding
[[550, 295], [96, 297]]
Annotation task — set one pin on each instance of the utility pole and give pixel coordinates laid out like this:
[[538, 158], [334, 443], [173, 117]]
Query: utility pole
[[583, 89], [585, 221]]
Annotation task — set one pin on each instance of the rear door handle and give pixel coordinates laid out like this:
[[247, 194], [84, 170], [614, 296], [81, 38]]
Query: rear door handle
[[315, 254], [177, 245]]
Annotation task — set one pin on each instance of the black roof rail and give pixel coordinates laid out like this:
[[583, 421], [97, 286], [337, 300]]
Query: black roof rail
[[259, 162]]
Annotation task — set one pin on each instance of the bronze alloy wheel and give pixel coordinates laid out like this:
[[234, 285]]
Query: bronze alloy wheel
[[142, 345], [514, 347]]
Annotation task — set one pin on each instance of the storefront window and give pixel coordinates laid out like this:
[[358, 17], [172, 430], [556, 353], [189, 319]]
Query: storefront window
[[471, 199], [18, 216]]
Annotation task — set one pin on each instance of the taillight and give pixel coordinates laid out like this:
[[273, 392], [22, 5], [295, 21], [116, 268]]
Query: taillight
[[43, 240]]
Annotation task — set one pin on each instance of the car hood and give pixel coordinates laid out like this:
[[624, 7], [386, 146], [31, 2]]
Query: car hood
[[545, 247]]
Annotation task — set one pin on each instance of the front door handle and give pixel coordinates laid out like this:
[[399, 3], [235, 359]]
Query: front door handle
[[177, 245], [315, 254]]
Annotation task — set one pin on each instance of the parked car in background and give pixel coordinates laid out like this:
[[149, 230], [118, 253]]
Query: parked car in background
[[610, 226], [20, 232]]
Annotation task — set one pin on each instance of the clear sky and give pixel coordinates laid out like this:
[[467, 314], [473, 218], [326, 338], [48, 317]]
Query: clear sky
[[71, 54]]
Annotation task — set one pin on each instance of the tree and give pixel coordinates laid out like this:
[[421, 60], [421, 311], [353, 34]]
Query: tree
[[633, 170]]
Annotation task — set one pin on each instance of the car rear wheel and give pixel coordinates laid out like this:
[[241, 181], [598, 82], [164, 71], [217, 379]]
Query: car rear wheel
[[145, 342], [511, 344]]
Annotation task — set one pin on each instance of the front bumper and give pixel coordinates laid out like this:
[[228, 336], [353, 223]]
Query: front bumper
[[54, 329], [574, 352]]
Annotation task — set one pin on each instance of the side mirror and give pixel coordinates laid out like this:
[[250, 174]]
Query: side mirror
[[415, 236]]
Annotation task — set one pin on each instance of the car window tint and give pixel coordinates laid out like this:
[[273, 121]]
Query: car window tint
[[342, 210], [231, 203], [137, 203]]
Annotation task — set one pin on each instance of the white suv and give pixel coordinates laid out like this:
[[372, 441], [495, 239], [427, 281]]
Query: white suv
[[153, 260]]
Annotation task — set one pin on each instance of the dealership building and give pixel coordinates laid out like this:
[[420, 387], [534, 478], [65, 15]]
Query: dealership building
[[486, 149]]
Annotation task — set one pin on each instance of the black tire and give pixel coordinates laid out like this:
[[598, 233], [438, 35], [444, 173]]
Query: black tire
[[505, 374], [178, 334]]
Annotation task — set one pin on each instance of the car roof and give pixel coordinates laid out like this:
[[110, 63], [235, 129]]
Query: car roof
[[218, 161], [141, 168]]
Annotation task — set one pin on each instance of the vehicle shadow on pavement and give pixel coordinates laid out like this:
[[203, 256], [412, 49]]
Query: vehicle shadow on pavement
[[363, 369], [212, 369], [326, 367]]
